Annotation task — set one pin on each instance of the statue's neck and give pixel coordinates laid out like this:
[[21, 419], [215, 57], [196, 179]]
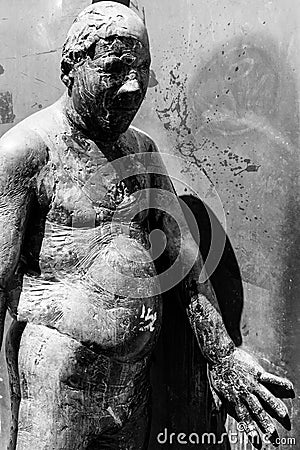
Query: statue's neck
[[77, 123], [110, 148]]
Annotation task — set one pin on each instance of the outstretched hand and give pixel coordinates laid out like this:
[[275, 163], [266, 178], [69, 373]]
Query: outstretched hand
[[252, 395]]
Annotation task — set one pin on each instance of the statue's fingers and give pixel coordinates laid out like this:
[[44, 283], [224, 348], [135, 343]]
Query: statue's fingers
[[247, 425], [269, 378], [262, 419], [275, 403], [281, 387], [273, 406]]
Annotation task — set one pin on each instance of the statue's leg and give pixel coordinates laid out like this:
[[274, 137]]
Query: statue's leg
[[134, 435], [13, 339], [72, 398], [49, 417]]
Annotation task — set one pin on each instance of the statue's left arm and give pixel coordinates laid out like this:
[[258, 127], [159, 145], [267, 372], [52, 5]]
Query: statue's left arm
[[235, 375]]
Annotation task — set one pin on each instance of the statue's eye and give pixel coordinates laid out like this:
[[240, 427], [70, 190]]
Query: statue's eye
[[113, 65], [128, 59]]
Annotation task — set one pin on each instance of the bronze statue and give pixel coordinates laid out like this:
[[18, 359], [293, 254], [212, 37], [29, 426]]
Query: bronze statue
[[77, 274]]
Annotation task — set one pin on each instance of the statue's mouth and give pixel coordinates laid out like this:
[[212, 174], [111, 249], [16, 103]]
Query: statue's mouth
[[127, 102], [121, 105], [115, 106]]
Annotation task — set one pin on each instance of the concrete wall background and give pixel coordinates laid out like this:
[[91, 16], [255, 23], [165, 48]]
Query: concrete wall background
[[226, 104]]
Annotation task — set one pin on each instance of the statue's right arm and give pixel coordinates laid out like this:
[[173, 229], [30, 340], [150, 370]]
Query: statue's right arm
[[20, 161]]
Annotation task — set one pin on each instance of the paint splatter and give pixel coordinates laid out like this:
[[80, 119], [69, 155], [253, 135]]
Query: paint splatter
[[232, 94], [150, 317]]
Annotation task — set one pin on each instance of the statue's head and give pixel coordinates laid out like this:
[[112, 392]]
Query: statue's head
[[105, 66]]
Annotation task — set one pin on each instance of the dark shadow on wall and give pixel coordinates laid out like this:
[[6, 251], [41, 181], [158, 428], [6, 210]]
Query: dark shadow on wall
[[226, 279], [182, 401]]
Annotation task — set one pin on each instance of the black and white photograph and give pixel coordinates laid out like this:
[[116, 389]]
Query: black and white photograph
[[149, 224]]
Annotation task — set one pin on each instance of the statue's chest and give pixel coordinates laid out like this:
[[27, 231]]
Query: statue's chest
[[88, 189]]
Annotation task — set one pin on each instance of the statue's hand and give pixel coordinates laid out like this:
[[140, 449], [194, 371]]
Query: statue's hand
[[251, 395]]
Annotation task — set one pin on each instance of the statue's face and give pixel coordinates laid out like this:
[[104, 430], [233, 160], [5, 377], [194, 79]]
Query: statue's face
[[110, 85]]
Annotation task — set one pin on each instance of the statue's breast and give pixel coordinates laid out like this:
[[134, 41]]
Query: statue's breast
[[89, 190]]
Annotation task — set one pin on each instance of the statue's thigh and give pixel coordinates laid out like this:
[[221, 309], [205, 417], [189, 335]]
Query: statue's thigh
[[52, 415], [63, 389]]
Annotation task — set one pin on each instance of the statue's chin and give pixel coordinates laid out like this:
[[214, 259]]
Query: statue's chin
[[114, 130], [108, 134], [115, 126], [107, 128]]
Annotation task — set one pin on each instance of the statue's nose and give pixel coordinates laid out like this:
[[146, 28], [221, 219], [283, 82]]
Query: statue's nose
[[130, 93], [130, 87]]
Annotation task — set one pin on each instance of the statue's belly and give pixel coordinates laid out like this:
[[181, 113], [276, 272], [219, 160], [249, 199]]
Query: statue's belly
[[100, 289]]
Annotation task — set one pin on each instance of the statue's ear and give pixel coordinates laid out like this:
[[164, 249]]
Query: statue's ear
[[124, 2]]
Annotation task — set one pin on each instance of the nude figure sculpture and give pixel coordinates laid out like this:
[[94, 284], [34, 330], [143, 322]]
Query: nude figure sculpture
[[75, 259]]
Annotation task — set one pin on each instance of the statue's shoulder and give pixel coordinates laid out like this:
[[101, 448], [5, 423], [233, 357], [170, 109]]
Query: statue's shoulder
[[24, 146], [145, 142]]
